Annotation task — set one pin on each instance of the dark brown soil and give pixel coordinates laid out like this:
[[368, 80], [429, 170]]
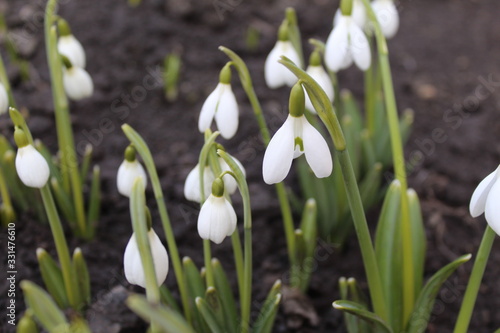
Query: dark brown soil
[[442, 58]]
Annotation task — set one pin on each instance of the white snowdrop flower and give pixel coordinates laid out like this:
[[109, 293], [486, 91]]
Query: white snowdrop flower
[[276, 74], [128, 172], [346, 43], [77, 83], [318, 73], [69, 46], [485, 199], [192, 184], [221, 104], [217, 218], [230, 183], [387, 16], [4, 99], [132, 263], [358, 14], [31, 166], [296, 137]]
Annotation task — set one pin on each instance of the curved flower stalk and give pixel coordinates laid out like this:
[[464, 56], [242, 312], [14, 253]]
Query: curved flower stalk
[[346, 43], [277, 75], [387, 16], [221, 104], [296, 137], [77, 82], [132, 263], [129, 170], [217, 217], [358, 14], [485, 200], [318, 73], [4, 99], [31, 166], [69, 46]]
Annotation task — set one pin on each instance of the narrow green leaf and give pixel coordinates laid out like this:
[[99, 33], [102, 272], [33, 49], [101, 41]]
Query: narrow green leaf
[[405, 124], [196, 288], [359, 311], [87, 157], [213, 301], [356, 295], [168, 299], [351, 108], [27, 324], [166, 319], [82, 275], [44, 308], [352, 140], [64, 202], [418, 242], [94, 201], [226, 296], [209, 315], [423, 306], [351, 321], [388, 253], [309, 226], [367, 151], [270, 316], [369, 187], [266, 316], [52, 277]]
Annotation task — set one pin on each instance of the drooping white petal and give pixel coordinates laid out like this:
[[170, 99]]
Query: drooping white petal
[[478, 199], [160, 257], [217, 219], [227, 114], [322, 78], [192, 184], [276, 74], [492, 211], [230, 183], [4, 99], [127, 174], [337, 45], [358, 14], [360, 48], [77, 83], [31, 167], [387, 16], [208, 109], [279, 154], [316, 150], [132, 263], [71, 48]]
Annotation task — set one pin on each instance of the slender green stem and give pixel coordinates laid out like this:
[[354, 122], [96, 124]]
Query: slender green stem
[[5, 81], [363, 233], [69, 163], [286, 211], [465, 314], [246, 295], [139, 224], [63, 254], [7, 202], [207, 255], [327, 114], [238, 260], [399, 166], [370, 98], [146, 156]]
